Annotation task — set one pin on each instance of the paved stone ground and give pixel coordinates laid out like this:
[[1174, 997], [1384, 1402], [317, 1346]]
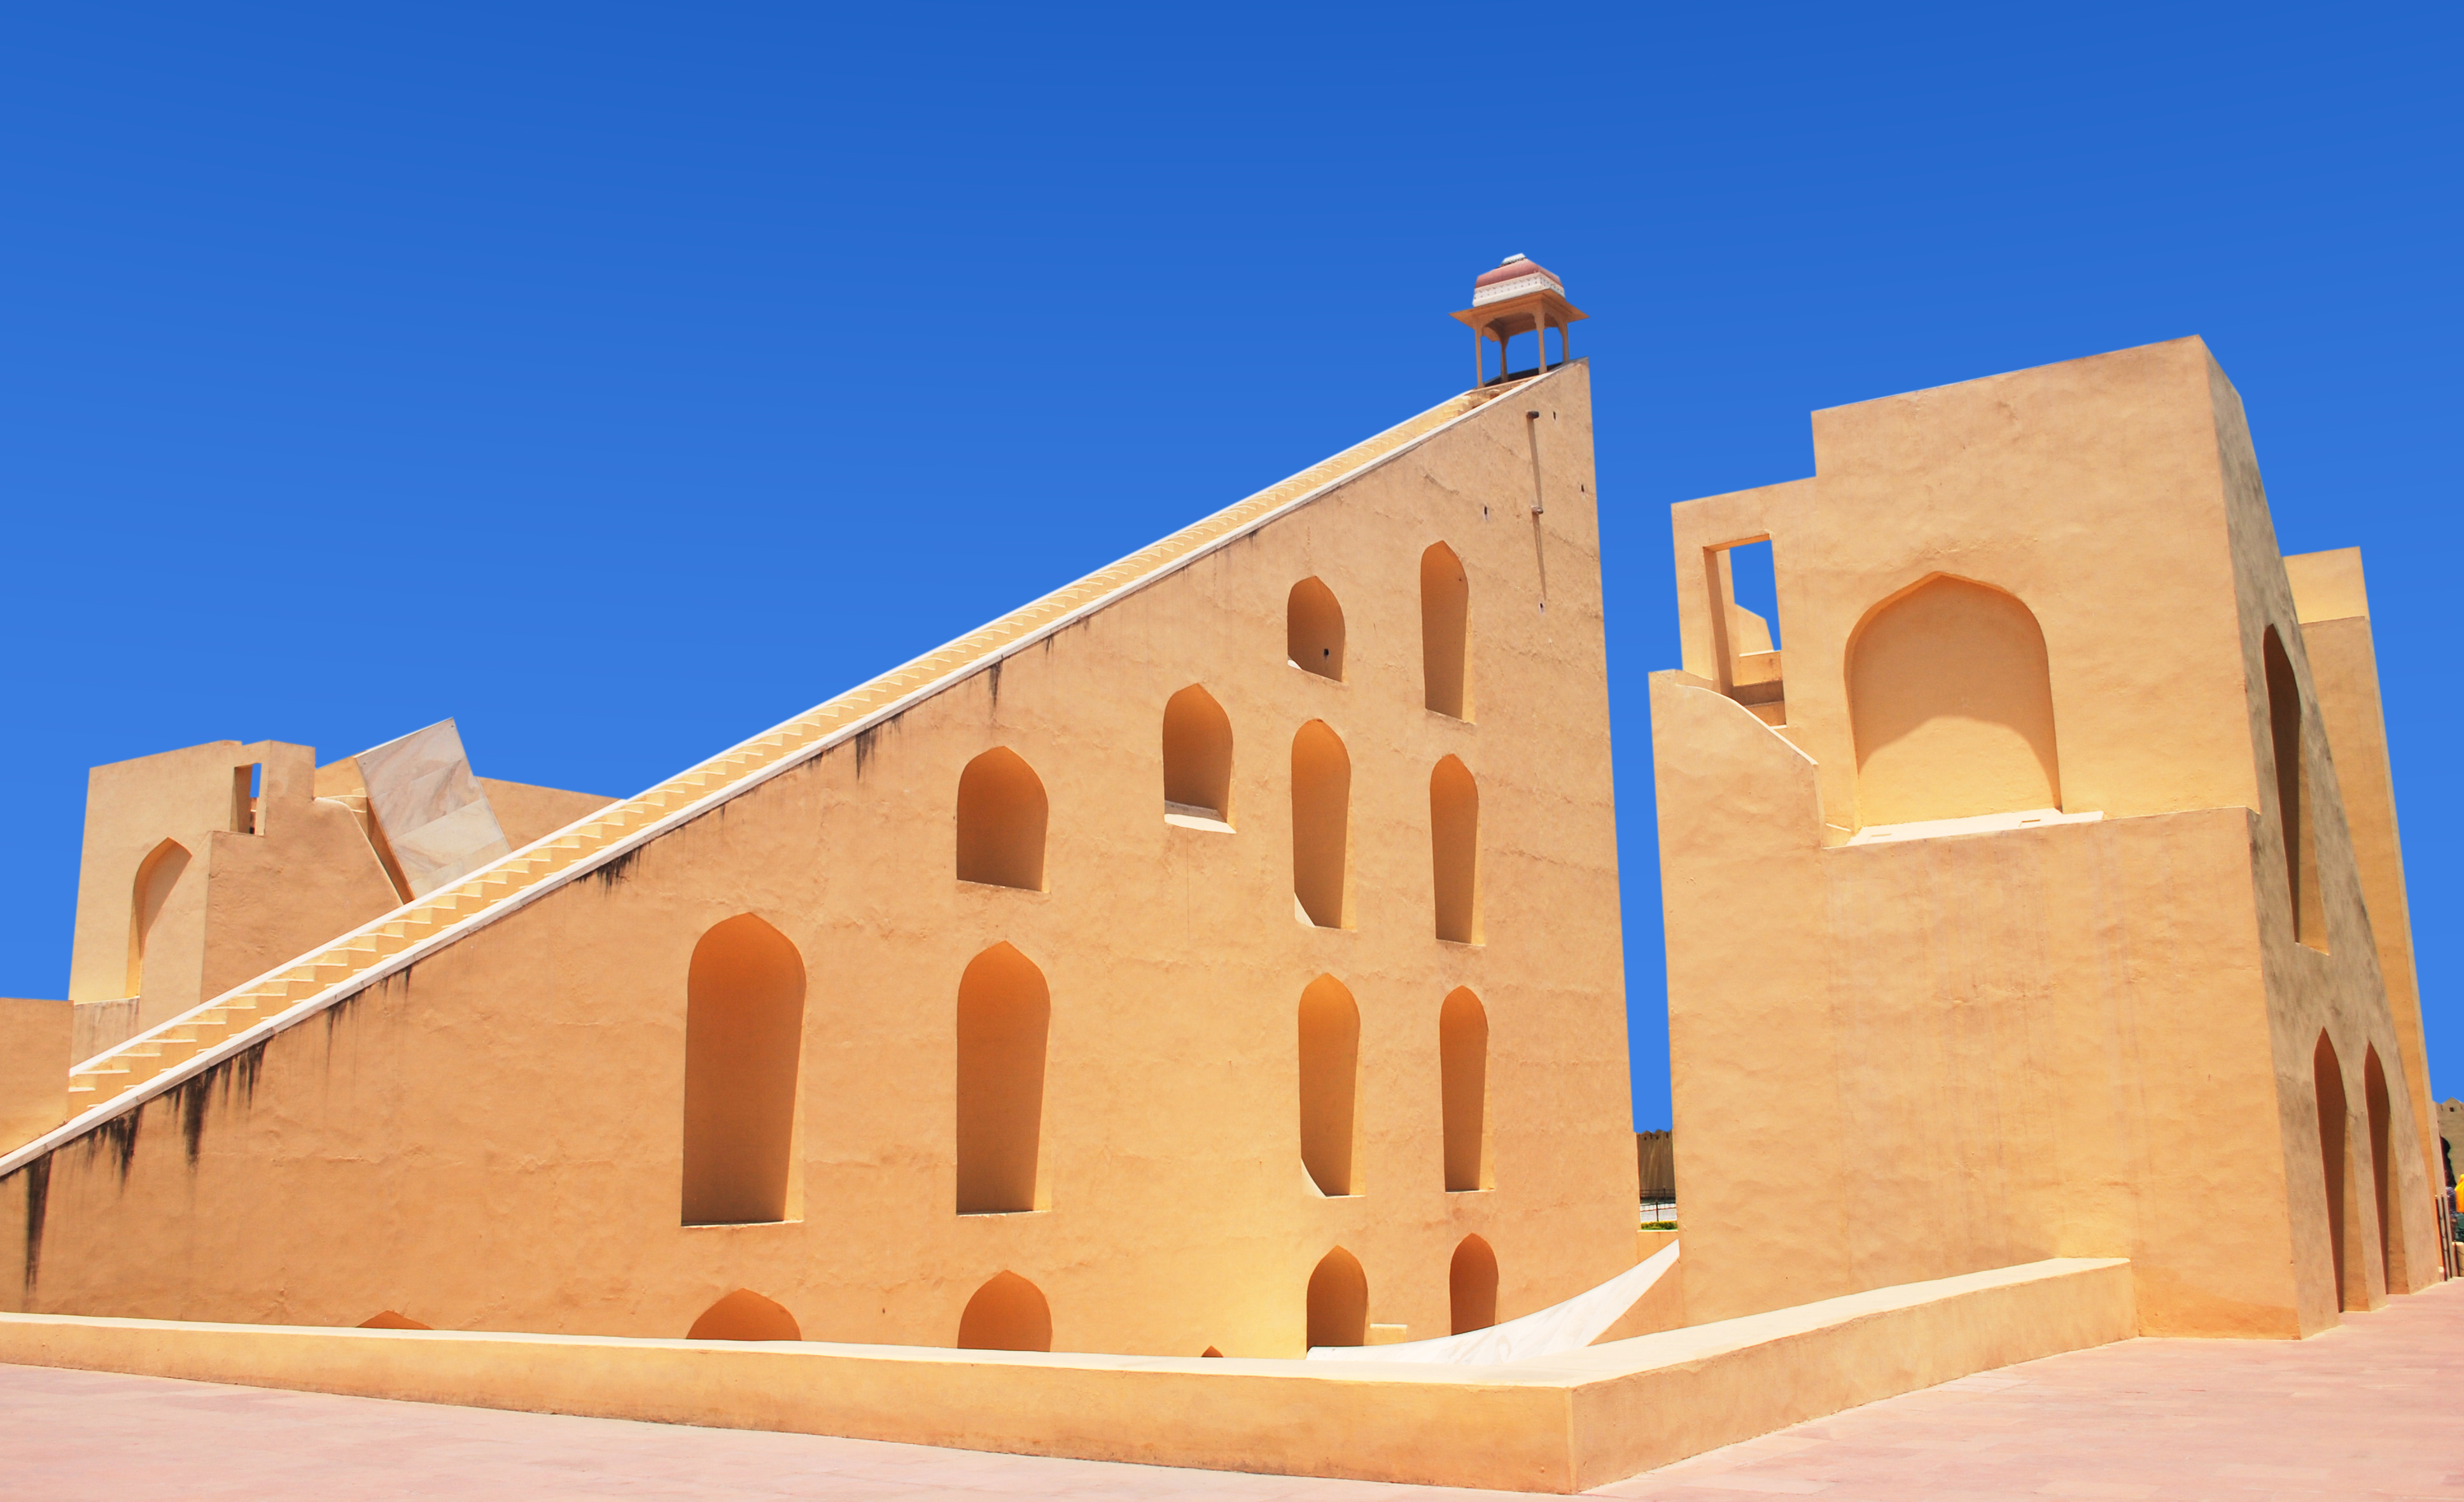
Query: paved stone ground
[[2373, 1410]]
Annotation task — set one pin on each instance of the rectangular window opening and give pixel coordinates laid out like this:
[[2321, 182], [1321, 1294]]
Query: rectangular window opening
[[1745, 626], [248, 789]]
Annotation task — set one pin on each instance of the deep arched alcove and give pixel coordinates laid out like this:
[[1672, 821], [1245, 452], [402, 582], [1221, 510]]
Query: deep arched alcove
[[1472, 1286], [1445, 632], [1007, 1314], [1950, 701], [2293, 801], [1196, 756], [1313, 630], [1453, 850], [1463, 1069], [1005, 1017], [1321, 825], [156, 875], [1002, 817], [1330, 1082], [744, 1020], [745, 1316], [2327, 1073], [1339, 1301]]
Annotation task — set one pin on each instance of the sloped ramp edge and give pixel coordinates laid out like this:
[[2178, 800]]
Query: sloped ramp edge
[[1559, 1424]]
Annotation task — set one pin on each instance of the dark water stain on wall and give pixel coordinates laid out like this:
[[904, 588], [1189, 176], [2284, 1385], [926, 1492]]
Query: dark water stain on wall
[[38, 1199]]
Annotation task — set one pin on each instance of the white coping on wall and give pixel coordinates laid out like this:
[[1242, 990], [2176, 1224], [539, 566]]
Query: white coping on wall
[[1974, 824], [1568, 1326], [1562, 1423], [514, 901]]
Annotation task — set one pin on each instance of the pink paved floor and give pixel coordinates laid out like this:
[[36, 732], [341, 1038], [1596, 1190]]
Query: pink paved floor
[[2374, 1409]]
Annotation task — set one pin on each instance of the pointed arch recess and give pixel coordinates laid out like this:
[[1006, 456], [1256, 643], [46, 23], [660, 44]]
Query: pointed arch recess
[[1007, 1314], [1004, 1024], [2293, 801], [1454, 850], [1330, 1080], [745, 1316], [1339, 1301], [393, 1319], [1472, 1286], [157, 875], [1001, 818], [744, 1020], [2335, 1158], [1196, 756], [2379, 1110], [1445, 632], [1950, 702], [1462, 1067], [1313, 630], [1321, 826]]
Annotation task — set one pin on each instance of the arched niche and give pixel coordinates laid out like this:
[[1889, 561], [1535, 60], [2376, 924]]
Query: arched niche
[[1313, 630], [1005, 1018], [1463, 1069], [1321, 826], [1007, 1314], [1002, 817], [2335, 1159], [1453, 850], [1330, 1082], [393, 1319], [1445, 632], [2379, 1110], [1950, 701], [745, 1316], [744, 1022], [2293, 803], [1196, 756], [1472, 1286], [157, 875], [1339, 1301]]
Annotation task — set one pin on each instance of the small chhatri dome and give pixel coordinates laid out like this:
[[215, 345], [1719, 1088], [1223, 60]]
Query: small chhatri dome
[[1518, 296], [1513, 277]]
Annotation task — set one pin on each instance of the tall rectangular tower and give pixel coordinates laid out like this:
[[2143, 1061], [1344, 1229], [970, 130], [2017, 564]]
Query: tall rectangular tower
[[2020, 867]]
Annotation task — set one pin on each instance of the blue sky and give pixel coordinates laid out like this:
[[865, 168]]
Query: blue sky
[[621, 381]]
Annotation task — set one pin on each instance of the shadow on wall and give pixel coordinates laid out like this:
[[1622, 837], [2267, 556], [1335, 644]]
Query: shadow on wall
[[1453, 850], [1007, 1314], [156, 875], [1445, 627], [745, 1316], [1330, 1078], [1462, 1067], [1001, 818], [1339, 1301], [1951, 705], [1472, 1286], [2293, 796], [1196, 756], [1321, 826], [1313, 630], [745, 1021], [1005, 1018]]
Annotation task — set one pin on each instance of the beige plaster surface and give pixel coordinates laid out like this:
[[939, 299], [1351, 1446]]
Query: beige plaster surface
[[2333, 600], [2075, 1038], [528, 813], [260, 883], [1557, 1424], [390, 1156], [33, 1065]]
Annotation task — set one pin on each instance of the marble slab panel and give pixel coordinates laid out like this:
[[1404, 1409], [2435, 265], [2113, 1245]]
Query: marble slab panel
[[432, 811]]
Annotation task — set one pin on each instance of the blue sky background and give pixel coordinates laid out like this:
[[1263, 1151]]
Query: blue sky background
[[621, 380]]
